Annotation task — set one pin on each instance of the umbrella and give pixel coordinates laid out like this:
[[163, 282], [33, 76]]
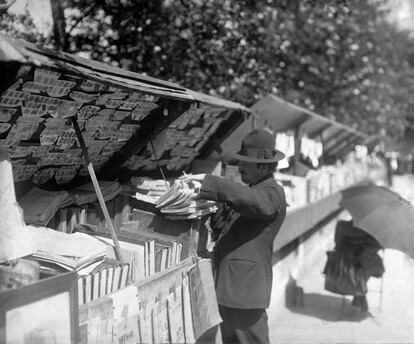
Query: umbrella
[[382, 213]]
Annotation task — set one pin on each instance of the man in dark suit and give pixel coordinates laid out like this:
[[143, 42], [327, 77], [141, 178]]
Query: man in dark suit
[[249, 217]]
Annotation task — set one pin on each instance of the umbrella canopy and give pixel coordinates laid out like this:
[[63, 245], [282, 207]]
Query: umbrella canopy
[[383, 214]]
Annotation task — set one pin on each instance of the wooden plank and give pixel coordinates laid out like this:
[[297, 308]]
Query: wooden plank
[[97, 188]]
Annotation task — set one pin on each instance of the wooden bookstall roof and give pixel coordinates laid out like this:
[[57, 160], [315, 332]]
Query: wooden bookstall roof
[[119, 113], [281, 116]]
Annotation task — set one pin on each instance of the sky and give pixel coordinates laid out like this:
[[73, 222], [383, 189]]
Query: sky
[[402, 13], [40, 11]]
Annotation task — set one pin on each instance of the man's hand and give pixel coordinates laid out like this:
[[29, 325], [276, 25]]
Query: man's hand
[[193, 177], [193, 181], [198, 177]]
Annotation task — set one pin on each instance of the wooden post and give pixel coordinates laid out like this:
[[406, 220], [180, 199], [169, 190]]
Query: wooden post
[[321, 159], [298, 140], [97, 190]]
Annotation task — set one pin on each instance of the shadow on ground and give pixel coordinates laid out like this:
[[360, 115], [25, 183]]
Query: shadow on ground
[[327, 308]]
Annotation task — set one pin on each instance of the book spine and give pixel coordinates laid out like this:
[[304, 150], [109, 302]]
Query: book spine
[[124, 277], [116, 279], [152, 257], [110, 280], [88, 288], [146, 258], [103, 281], [81, 291], [174, 253], [63, 217], [95, 282]]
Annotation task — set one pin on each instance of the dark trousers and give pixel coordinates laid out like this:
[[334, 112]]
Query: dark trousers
[[244, 326]]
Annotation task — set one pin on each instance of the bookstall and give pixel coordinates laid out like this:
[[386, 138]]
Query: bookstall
[[106, 244]]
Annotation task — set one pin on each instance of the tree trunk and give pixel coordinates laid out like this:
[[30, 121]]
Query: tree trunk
[[59, 25]]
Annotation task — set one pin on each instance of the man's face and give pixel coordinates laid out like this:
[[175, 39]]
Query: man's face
[[251, 172]]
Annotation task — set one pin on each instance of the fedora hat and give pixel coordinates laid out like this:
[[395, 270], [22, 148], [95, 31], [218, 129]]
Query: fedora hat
[[259, 147]]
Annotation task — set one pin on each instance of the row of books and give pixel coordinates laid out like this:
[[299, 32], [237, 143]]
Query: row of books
[[148, 258], [59, 252], [103, 282], [90, 216], [158, 257]]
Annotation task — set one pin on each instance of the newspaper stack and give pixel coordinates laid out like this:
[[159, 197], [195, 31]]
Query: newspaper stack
[[40, 206], [180, 203]]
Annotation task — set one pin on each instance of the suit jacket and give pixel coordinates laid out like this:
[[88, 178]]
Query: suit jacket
[[248, 219]]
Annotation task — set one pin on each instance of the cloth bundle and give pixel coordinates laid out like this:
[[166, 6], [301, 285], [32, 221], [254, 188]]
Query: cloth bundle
[[86, 193], [343, 274], [180, 202]]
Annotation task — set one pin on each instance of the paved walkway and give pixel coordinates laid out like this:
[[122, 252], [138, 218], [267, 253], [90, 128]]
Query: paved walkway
[[329, 318]]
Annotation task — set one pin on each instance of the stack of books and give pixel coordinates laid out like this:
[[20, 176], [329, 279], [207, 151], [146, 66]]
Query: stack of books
[[40, 206], [180, 203]]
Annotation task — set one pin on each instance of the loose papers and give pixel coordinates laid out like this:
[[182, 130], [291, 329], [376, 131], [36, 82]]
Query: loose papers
[[203, 298], [70, 251], [150, 190]]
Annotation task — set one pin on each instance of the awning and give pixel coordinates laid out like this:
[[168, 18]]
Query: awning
[[119, 114], [282, 116], [28, 53], [215, 101]]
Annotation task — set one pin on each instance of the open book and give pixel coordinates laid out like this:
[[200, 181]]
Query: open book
[[70, 251], [70, 263]]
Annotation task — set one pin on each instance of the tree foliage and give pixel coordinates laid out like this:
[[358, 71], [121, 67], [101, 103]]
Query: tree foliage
[[341, 59]]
